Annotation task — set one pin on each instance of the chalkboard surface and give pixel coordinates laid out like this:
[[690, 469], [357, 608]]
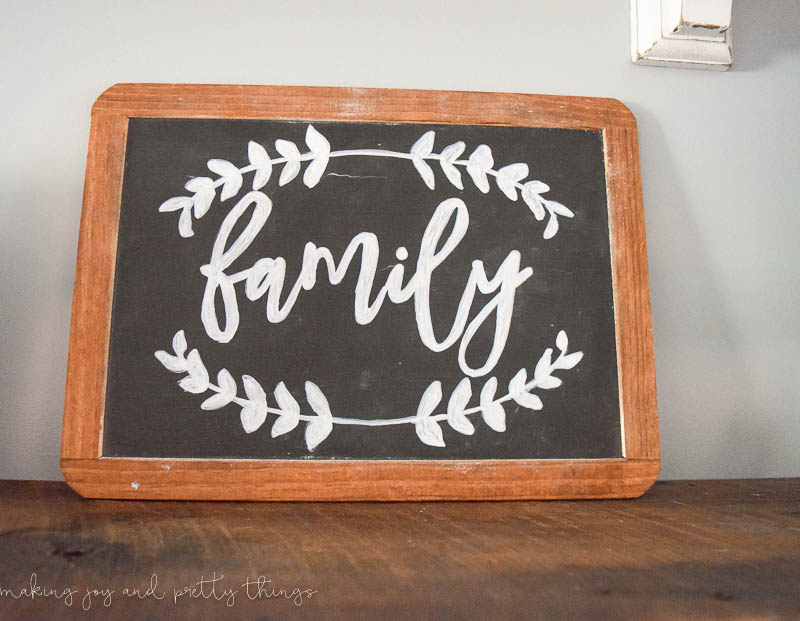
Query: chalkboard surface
[[298, 293], [379, 370]]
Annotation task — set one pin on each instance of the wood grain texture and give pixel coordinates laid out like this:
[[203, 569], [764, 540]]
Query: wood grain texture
[[94, 476], [214, 479], [631, 294], [84, 401], [685, 550], [361, 104]]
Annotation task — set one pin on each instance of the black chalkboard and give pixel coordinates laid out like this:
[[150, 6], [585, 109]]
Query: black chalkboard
[[378, 370]]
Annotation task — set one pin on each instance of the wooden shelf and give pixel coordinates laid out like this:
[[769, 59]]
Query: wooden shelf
[[705, 549]]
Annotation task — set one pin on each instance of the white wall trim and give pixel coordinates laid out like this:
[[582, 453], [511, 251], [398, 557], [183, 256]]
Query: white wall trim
[[682, 33]]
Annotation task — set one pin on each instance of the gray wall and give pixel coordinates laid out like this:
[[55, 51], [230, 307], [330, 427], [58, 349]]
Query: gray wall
[[719, 153]]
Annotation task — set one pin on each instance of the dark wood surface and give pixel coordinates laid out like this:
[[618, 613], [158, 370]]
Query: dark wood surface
[[694, 550]]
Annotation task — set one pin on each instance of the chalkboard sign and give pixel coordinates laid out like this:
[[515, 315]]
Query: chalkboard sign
[[308, 293]]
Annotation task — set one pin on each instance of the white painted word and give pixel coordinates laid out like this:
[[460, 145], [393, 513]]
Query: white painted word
[[266, 278]]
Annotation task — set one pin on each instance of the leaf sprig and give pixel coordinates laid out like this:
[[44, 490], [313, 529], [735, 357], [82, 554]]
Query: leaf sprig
[[230, 176], [480, 165], [255, 408], [491, 409]]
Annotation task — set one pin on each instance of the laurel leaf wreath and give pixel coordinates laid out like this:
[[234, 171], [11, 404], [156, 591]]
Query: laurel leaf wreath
[[427, 424], [480, 165]]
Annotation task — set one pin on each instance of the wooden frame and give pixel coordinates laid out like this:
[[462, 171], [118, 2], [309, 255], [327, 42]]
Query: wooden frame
[[95, 476]]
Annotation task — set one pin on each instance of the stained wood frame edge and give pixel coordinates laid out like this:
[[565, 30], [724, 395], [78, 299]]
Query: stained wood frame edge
[[90, 474], [367, 480]]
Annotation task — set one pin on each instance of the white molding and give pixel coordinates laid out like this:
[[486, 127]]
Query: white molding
[[693, 34]]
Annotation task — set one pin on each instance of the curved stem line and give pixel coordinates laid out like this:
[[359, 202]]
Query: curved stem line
[[377, 422], [305, 157], [386, 422]]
